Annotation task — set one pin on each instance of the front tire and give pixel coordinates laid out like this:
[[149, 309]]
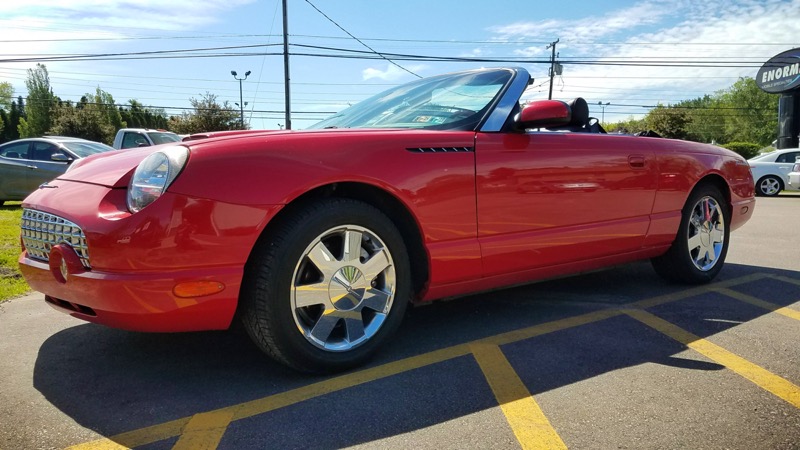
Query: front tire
[[698, 252], [769, 186], [327, 287]]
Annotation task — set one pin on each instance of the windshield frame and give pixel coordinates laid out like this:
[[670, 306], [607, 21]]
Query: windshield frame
[[373, 112]]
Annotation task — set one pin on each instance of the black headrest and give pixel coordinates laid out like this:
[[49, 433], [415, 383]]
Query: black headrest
[[580, 111]]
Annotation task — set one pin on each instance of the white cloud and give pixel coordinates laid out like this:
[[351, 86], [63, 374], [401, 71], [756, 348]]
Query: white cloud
[[474, 53], [68, 26], [74, 15], [392, 72], [737, 30], [590, 27]]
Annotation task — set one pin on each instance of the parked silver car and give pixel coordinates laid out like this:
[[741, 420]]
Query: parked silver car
[[27, 163], [771, 171]]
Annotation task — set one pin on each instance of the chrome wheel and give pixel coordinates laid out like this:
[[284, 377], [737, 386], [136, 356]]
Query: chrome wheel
[[343, 288], [769, 186], [706, 233]]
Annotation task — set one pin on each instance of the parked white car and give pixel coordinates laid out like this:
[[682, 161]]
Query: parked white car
[[771, 171], [794, 177], [143, 137]]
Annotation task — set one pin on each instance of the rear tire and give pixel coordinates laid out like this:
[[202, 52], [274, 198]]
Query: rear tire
[[769, 186], [327, 287], [698, 252]]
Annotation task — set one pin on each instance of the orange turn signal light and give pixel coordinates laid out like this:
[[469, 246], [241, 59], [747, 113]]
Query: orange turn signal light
[[197, 288]]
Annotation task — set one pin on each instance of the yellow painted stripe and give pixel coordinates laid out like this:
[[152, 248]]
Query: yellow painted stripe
[[778, 386], [760, 303], [263, 405], [135, 438], [786, 279], [204, 431], [675, 296], [526, 418], [100, 444], [174, 428]]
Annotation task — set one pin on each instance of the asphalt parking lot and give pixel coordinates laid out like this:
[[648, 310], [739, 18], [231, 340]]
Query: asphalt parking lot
[[611, 359]]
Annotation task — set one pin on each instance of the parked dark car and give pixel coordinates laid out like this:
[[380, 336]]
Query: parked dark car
[[27, 163]]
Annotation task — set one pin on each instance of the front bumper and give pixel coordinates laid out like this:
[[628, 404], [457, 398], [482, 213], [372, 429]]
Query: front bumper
[[126, 277], [137, 301]]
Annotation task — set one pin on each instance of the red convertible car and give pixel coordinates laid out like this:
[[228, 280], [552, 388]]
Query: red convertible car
[[317, 240]]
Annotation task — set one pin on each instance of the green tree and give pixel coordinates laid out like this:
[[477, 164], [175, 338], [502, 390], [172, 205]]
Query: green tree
[[40, 105], [705, 122], [6, 95], [741, 113], [94, 117], [208, 115], [668, 122], [630, 126], [751, 114], [746, 149], [138, 116], [16, 112], [108, 109]]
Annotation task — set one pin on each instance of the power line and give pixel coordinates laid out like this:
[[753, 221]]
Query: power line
[[361, 42], [378, 39], [346, 53]]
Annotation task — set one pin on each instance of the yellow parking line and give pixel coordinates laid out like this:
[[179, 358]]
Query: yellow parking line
[[135, 438], [155, 433], [786, 279], [760, 303], [778, 386], [526, 418], [204, 431], [166, 430], [699, 290]]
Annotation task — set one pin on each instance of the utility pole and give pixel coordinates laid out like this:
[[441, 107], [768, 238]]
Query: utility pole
[[552, 66], [603, 106], [286, 66], [241, 102]]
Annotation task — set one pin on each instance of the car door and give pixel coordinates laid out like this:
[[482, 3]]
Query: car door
[[42, 168], [784, 164], [548, 198], [14, 168]]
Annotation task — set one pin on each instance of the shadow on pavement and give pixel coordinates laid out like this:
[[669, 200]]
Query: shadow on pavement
[[114, 381]]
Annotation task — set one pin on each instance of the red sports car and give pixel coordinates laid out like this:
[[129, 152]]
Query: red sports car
[[317, 240]]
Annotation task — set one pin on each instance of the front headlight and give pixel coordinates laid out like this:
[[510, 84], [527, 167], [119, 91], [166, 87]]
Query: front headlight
[[154, 175]]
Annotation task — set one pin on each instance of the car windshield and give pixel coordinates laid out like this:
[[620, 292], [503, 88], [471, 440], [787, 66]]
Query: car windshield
[[447, 102], [163, 137], [762, 156], [84, 149]]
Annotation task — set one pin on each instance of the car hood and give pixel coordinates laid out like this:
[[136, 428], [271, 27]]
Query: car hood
[[112, 169]]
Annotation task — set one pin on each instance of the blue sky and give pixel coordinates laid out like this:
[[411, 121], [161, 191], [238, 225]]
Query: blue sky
[[743, 31]]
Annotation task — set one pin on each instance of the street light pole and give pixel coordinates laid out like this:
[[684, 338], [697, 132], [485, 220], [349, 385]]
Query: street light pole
[[603, 107], [241, 102], [288, 103]]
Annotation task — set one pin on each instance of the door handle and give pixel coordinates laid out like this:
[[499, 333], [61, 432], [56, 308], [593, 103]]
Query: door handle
[[31, 167], [636, 161]]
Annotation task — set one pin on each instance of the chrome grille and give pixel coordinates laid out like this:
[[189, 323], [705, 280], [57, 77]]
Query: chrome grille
[[41, 231]]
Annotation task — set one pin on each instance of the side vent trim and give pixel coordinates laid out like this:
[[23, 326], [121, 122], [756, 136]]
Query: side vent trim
[[441, 149]]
